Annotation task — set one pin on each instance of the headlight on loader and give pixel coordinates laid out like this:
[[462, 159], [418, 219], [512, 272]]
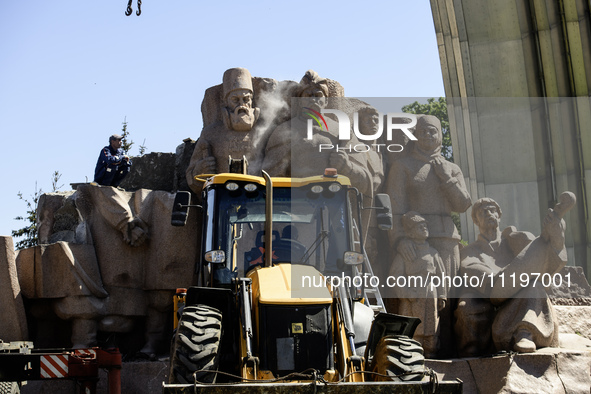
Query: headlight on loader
[[215, 256]]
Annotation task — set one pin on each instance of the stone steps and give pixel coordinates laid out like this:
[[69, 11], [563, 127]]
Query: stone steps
[[549, 370]]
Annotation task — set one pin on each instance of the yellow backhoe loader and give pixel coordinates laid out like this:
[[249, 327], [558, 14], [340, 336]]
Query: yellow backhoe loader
[[282, 303]]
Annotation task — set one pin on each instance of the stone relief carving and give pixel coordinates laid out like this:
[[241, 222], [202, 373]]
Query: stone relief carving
[[503, 315], [291, 152], [423, 302], [233, 135], [122, 265], [427, 183], [423, 181]]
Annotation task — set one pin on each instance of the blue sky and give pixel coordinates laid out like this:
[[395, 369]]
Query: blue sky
[[72, 71]]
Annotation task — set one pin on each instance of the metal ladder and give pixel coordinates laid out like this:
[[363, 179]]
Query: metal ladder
[[371, 294]]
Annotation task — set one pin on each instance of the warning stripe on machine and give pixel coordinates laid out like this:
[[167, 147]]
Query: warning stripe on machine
[[54, 366]]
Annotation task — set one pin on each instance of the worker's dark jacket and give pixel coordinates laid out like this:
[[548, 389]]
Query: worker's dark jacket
[[111, 168]]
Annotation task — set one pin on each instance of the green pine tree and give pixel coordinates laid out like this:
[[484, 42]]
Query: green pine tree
[[29, 232], [126, 143]]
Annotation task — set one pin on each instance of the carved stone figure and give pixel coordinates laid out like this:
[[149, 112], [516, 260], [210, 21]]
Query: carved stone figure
[[68, 276], [369, 124], [233, 135], [289, 150], [370, 177], [424, 302], [123, 265], [141, 262], [423, 181], [510, 310], [427, 183]]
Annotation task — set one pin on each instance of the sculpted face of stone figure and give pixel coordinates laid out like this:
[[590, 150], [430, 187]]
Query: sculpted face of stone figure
[[428, 133], [238, 111], [315, 92], [239, 106], [416, 228], [420, 231], [488, 217], [369, 121]]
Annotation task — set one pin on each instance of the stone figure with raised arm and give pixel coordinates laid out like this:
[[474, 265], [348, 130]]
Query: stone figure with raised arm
[[425, 182], [500, 314], [233, 135], [418, 298]]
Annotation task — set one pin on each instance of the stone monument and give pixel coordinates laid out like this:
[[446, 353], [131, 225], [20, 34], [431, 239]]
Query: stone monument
[[110, 260]]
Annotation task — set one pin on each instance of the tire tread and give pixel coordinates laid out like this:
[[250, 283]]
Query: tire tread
[[196, 345]]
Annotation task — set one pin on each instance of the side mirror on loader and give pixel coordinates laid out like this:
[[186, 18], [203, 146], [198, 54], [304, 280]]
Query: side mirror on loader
[[180, 209], [384, 211]]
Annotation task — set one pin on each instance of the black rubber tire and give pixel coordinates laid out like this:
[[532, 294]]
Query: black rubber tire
[[9, 388], [398, 355], [196, 345]]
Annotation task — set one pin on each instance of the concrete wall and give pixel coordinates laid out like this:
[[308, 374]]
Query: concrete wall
[[517, 76]]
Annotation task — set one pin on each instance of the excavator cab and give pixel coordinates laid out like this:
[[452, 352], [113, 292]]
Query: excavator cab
[[308, 225]]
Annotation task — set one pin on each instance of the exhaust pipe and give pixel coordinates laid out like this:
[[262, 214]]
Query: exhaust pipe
[[268, 220]]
